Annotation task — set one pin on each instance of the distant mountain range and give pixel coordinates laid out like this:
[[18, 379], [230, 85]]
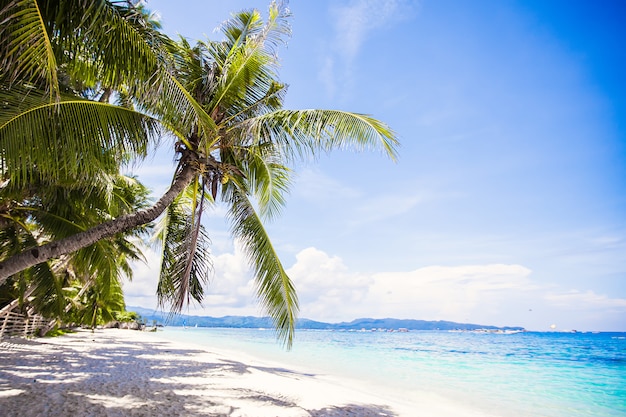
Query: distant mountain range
[[249, 322]]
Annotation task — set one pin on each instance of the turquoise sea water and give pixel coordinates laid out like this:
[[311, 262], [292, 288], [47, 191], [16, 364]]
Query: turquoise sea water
[[517, 375]]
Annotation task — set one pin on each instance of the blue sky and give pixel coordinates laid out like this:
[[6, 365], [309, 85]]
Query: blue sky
[[507, 204]]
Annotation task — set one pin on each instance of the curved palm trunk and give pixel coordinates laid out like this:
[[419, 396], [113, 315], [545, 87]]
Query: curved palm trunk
[[37, 255]]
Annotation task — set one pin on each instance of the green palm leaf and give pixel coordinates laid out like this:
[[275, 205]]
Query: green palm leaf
[[48, 295], [299, 133], [26, 49], [246, 59], [261, 172], [273, 286], [166, 98], [185, 263], [70, 138], [110, 43]]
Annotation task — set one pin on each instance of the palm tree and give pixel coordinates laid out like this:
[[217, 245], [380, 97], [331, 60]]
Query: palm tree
[[68, 67], [233, 143], [61, 61], [53, 211]]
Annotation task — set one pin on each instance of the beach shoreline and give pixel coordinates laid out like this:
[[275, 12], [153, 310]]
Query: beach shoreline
[[114, 372]]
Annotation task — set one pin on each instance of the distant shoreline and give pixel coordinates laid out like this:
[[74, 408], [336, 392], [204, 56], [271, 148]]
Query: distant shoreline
[[251, 322]]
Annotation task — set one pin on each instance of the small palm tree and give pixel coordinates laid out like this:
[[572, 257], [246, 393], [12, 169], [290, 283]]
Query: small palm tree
[[222, 102]]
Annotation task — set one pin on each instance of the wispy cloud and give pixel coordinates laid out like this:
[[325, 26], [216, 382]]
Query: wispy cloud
[[317, 187], [353, 23], [384, 207], [579, 300]]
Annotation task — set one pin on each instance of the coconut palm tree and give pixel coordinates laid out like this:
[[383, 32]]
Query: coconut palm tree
[[54, 211], [234, 143], [61, 61], [64, 143]]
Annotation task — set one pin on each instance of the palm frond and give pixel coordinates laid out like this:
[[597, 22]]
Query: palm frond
[[125, 48], [48, 295], [165, 97], [247, 24], [70, 138], [26, 50], [277, 29], [15, 235], [264, 175], [108, 41], [126, 194], [300, 133], [247, 59], [273, 286], [242, 24], [185, 263], [272, 100], [96, 42]]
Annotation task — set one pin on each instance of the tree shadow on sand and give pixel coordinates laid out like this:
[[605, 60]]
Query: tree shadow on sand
[[353, 410], [105, 375]]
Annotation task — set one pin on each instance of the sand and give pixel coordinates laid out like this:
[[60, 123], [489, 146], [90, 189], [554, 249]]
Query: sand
[[117, 372]]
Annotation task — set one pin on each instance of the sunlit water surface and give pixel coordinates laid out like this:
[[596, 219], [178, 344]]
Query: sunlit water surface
[[510, 375]]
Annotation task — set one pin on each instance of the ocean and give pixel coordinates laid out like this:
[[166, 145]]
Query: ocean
[[525, 374]]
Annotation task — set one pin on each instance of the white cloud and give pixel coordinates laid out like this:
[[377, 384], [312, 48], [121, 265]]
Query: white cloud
[[231, 286], [457, 293], [494, 294], [325, 286], [328, 291], [141, 291]]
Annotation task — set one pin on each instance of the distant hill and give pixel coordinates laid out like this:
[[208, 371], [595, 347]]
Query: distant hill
[[249, 322]]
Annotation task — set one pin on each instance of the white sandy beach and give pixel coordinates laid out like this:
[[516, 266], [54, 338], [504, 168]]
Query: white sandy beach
[[129, 373]]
